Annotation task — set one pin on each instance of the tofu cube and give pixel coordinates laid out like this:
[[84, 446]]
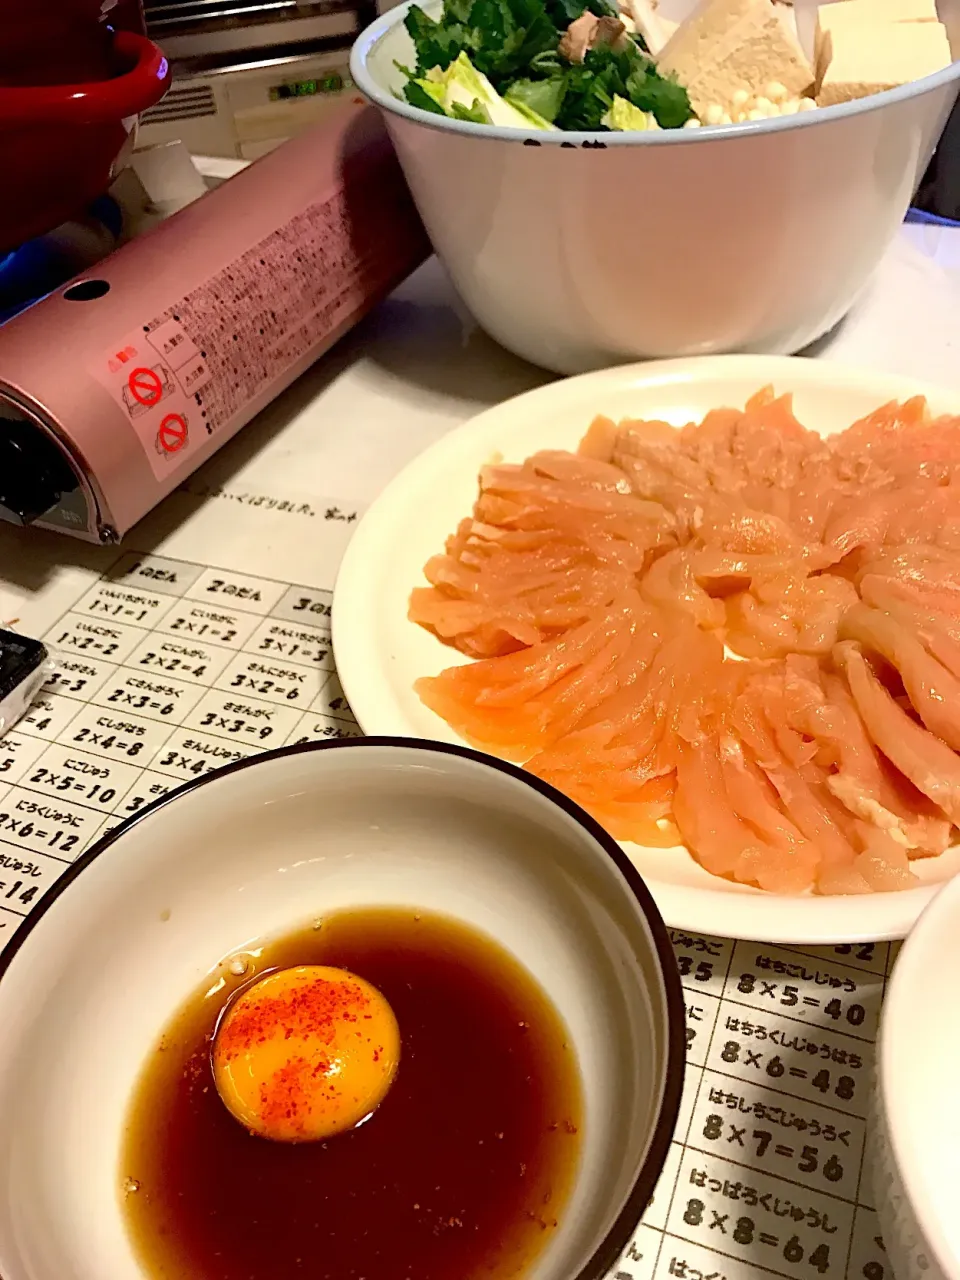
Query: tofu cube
[[861, 60], [863, 14], [727, 47]]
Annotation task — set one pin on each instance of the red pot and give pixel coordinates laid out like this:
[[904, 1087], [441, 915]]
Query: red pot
[[59, 142]]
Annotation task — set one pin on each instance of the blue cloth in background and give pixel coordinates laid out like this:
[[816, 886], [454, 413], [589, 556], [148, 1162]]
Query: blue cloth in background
[[918, 215], [44, 264]]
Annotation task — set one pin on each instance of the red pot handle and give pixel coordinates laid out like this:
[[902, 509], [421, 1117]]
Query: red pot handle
[[101, 101]]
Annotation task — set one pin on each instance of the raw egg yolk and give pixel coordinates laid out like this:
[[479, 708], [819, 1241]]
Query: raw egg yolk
[[305, 1053]]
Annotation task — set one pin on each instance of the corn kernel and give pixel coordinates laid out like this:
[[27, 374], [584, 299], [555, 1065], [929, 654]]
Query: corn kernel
[[775, 91], [756, 114], [741, 98], [790, 107], [807, 104], [713, 114], [692, 123]]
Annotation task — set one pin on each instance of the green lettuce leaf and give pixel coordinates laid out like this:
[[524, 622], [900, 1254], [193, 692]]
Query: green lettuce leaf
[[418, 95], [624, 116], [477, 114], [543, 97], [464, 93]]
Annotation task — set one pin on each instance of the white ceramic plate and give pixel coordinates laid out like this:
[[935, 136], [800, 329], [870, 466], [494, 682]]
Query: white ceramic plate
[[380, 653]]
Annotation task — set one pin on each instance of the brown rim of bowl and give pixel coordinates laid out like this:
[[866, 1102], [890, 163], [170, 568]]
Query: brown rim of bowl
[[621, 1232]]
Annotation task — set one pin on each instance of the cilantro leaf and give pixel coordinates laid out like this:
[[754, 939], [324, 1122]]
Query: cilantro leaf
[[457, 11], [668, 100], [500, 37], [508, 34], [437, 44], [607, 73], [590, 89]]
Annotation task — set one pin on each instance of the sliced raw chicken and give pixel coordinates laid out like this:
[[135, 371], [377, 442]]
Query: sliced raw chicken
[[736, 634], [919, 755], [933, 691]]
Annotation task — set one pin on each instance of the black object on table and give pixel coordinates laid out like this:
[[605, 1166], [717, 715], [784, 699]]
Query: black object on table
[[940, 189]]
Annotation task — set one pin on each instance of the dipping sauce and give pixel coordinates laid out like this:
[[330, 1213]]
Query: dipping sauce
[[463, 1169]]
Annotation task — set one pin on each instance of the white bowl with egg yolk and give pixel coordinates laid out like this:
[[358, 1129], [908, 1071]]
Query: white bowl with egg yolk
[[262, 847], [582, 250]]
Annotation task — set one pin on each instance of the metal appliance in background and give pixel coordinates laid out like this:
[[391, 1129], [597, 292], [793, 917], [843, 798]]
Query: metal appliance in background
[[114, 388], [248, 74]]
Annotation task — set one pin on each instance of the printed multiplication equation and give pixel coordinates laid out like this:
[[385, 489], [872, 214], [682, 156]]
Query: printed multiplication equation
[[165, 671], [769, 1172]]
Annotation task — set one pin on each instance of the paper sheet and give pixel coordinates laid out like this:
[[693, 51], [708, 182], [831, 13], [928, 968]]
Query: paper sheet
[[213, 644], [168, 667]]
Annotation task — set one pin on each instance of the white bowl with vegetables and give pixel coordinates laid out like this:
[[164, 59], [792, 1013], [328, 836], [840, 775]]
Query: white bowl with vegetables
[[589, 210]]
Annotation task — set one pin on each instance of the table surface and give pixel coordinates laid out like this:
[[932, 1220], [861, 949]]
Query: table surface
[[420, 366], [226, 587]]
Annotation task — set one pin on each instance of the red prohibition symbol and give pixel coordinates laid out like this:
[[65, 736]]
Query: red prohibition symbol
[[145, 387], [172, 433]]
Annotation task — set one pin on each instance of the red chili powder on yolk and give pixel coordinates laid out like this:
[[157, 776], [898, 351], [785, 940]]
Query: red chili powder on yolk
[[314, 1012]]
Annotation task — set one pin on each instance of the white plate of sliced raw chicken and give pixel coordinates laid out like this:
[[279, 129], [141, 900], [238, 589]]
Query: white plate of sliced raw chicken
[[717, 603]]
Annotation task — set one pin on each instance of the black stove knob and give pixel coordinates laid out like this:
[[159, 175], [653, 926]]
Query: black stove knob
[[34, 474]]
